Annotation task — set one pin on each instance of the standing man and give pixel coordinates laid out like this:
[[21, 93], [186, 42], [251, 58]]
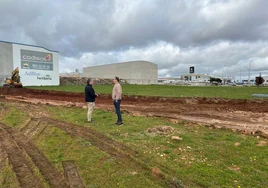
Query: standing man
[[117, 97], [90, 96]]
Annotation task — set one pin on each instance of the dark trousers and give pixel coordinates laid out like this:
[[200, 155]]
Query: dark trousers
[[118, 112]]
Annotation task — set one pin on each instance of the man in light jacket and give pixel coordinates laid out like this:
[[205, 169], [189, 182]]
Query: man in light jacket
[[90, 96], [117, 97]]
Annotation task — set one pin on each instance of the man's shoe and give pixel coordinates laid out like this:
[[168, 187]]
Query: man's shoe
[[119, 123], [90, 121]]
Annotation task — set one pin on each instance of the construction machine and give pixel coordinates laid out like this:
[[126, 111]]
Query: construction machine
[[14, 81]]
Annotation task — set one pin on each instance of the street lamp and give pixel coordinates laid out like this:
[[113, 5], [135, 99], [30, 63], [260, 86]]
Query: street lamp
[[249, 69]]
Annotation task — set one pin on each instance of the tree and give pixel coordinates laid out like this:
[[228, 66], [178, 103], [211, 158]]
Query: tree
[[212, 79]]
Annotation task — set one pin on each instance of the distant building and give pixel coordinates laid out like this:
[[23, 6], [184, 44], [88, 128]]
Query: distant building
[[76, 74], [134, 72], [196, 77], [169, 80]]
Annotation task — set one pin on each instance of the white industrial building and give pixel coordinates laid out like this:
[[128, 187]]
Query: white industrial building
[[134, 72], [37, 65], [196, 77]]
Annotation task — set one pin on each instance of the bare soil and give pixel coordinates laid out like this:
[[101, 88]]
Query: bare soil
[[245, 116], [72, 175]]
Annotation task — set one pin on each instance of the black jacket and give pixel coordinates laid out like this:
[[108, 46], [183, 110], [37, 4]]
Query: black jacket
[[90, 93]]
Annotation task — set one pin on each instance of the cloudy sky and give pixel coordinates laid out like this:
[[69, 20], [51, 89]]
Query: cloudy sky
[[219, 37]]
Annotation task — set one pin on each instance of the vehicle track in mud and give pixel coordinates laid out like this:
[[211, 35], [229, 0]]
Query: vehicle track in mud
[[17, 145], [18, 159], [34, 127], [72, 175], [117, 150]]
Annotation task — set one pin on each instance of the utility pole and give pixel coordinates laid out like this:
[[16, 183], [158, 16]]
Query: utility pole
[[249, 70], [209, 69], [240, 75]]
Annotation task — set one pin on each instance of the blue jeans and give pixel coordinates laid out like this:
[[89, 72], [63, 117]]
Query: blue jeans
[[118, 112]]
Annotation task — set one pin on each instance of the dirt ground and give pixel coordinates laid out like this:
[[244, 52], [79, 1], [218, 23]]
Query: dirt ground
[[245, 116]]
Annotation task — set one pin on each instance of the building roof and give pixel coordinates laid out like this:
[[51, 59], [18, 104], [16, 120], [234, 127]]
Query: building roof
[[28, 45], [138, 61]]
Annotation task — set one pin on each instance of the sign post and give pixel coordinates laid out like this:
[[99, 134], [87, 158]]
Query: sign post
[[191, 70]]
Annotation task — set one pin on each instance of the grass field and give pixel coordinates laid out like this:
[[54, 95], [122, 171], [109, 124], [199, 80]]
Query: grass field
[[204, 158], [234, 92]]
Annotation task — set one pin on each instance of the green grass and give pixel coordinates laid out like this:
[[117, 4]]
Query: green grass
[[14, 117], [234, 92], [204, 158], [96, 168], [7, 176]]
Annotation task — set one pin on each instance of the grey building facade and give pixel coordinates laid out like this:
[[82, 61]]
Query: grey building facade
[[135, 72], [6, 61]]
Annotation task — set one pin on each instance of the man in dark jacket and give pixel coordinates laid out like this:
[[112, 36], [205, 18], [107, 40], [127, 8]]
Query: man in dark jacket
[[90, 96]]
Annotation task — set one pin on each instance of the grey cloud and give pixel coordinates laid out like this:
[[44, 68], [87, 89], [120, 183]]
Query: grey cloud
[[210, 34], [222, 58]]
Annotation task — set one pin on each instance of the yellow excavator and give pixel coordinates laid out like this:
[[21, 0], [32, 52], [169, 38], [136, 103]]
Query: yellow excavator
[[15, 80]]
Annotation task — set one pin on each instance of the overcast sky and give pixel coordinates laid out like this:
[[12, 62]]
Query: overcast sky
[[220, 37]]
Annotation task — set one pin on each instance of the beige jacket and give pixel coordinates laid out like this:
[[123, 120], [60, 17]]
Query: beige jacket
[[117, 92]]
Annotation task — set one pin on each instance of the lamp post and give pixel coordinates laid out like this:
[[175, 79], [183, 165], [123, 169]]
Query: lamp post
[[240, 80], [249, 69]]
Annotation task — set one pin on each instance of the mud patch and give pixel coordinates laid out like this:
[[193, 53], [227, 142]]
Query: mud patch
[[33, 129], [72, 175], [262, 143]]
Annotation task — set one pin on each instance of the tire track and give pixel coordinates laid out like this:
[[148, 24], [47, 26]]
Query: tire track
[[72, 175], [18, 159], [33, 129], [115, 149], [54, 178]]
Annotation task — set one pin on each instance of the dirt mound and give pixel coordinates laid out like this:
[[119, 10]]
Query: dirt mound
[[161, 130]]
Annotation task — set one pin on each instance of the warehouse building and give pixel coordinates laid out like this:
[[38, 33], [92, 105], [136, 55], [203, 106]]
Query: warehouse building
[[134, 72], [37, 65]]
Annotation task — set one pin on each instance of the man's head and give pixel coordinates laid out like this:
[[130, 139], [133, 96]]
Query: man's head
[[90, 81], [116, 80]]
